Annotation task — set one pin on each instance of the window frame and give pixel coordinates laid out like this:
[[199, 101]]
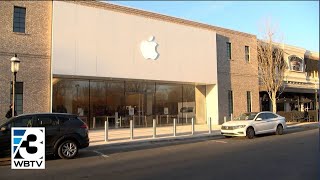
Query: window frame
[[19, 19], [16, 96], [247, 55], [249, 101], [230, 102], [229, 50]]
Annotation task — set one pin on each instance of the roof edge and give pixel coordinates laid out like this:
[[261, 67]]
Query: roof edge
[[153, 15]]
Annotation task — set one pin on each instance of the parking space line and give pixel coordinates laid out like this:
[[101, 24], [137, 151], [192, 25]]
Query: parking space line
[[220, 141], [100, 153]]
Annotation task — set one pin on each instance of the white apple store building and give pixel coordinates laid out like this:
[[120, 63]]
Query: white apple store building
[[119, 65]]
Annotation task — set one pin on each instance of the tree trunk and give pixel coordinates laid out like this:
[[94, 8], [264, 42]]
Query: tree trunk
[[274, 102]]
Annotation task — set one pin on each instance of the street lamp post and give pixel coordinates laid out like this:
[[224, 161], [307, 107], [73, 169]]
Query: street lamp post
[[14, 69]]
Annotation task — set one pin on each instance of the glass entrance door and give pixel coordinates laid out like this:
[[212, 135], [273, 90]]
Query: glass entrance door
[[135, 104]]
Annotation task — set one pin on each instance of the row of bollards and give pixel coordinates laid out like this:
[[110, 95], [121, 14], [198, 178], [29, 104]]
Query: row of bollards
[[106, 126]]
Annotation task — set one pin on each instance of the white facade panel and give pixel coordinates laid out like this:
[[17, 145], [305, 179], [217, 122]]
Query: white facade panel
[[96, 42]]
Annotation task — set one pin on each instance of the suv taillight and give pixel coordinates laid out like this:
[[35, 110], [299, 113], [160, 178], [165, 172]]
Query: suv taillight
[[84, 126]]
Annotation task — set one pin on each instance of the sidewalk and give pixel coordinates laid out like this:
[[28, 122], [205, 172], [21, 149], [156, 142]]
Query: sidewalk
[[122, 136], [141, 135]]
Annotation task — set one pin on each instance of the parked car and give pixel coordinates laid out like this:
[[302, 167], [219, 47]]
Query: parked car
[[253, 123], [65, 134]]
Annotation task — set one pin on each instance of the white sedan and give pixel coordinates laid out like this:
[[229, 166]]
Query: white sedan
[[252, 123]]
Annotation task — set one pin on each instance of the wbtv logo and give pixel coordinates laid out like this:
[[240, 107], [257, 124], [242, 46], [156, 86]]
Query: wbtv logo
[[28, 148]]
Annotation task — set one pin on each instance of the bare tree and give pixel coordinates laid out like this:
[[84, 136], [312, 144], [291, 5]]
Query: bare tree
[[272, 66]]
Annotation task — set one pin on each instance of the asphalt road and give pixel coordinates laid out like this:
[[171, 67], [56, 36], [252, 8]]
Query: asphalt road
[[293, 156]]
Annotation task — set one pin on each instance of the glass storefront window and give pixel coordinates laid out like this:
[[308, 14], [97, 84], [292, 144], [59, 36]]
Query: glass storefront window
[[188, 109], [121, 101], [166, 103], [139, 102], [71, 96], [107, 100]]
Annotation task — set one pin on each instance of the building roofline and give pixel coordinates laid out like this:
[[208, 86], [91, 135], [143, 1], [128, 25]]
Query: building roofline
[[157, 16], [307, 53]]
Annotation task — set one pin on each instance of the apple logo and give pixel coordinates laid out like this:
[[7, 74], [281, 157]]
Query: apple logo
[[149, 49]]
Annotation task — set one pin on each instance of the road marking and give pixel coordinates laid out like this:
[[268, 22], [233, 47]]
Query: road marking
[[220, 141], [101, 154]]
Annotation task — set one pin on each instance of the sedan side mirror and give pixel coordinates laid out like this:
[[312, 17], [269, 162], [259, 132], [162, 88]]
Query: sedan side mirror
[[3, 129], [259, 119]]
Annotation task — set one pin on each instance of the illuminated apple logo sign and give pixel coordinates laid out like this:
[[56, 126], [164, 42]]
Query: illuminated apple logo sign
[[149, 49]]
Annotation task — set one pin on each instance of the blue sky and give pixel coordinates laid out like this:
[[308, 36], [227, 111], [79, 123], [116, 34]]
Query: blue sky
[[297, 21]]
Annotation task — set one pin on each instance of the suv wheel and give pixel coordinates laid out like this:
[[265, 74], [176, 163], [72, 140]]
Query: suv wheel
[[250, 133], [68, 149], [279, 130]]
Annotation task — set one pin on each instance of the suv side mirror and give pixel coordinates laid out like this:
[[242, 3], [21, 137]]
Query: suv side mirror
[[3, 129], [259, 119]]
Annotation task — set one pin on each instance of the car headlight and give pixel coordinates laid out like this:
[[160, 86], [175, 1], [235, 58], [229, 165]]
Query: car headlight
[[240, 126]]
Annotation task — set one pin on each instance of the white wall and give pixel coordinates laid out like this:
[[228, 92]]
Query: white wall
[[90, 41], [212, 104]]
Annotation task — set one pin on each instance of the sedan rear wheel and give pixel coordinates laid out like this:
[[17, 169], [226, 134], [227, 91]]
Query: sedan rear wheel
[[250, 133], [279, 130]]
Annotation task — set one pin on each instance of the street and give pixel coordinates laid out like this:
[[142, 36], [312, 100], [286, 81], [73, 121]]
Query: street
[[292, 156]]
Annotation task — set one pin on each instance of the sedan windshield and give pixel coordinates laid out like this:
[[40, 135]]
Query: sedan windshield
[[246, 116]]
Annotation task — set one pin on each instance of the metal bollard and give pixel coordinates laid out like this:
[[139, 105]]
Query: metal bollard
[[210, 126], [94, 122], [225, 119], [133, 119], [131, 129], [174, 127], [186, 118], [231, 117], [145, 121], [106, 129], [157, 119], [154, 128], [192, 126], [120, 121]]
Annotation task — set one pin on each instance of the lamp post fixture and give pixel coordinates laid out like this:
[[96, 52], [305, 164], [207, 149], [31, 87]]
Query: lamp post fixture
[[14, 69]]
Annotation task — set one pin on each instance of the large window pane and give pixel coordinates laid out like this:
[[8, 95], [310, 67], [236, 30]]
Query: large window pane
[[139, 102], [71, 96], [19, 17], [168, 98], [107, 101], [188, 109]]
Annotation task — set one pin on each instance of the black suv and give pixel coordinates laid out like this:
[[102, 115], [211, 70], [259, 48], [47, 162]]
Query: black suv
[[65, 133]]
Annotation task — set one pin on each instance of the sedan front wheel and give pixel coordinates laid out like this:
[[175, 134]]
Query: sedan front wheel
[[250, 133], [279, 130]]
